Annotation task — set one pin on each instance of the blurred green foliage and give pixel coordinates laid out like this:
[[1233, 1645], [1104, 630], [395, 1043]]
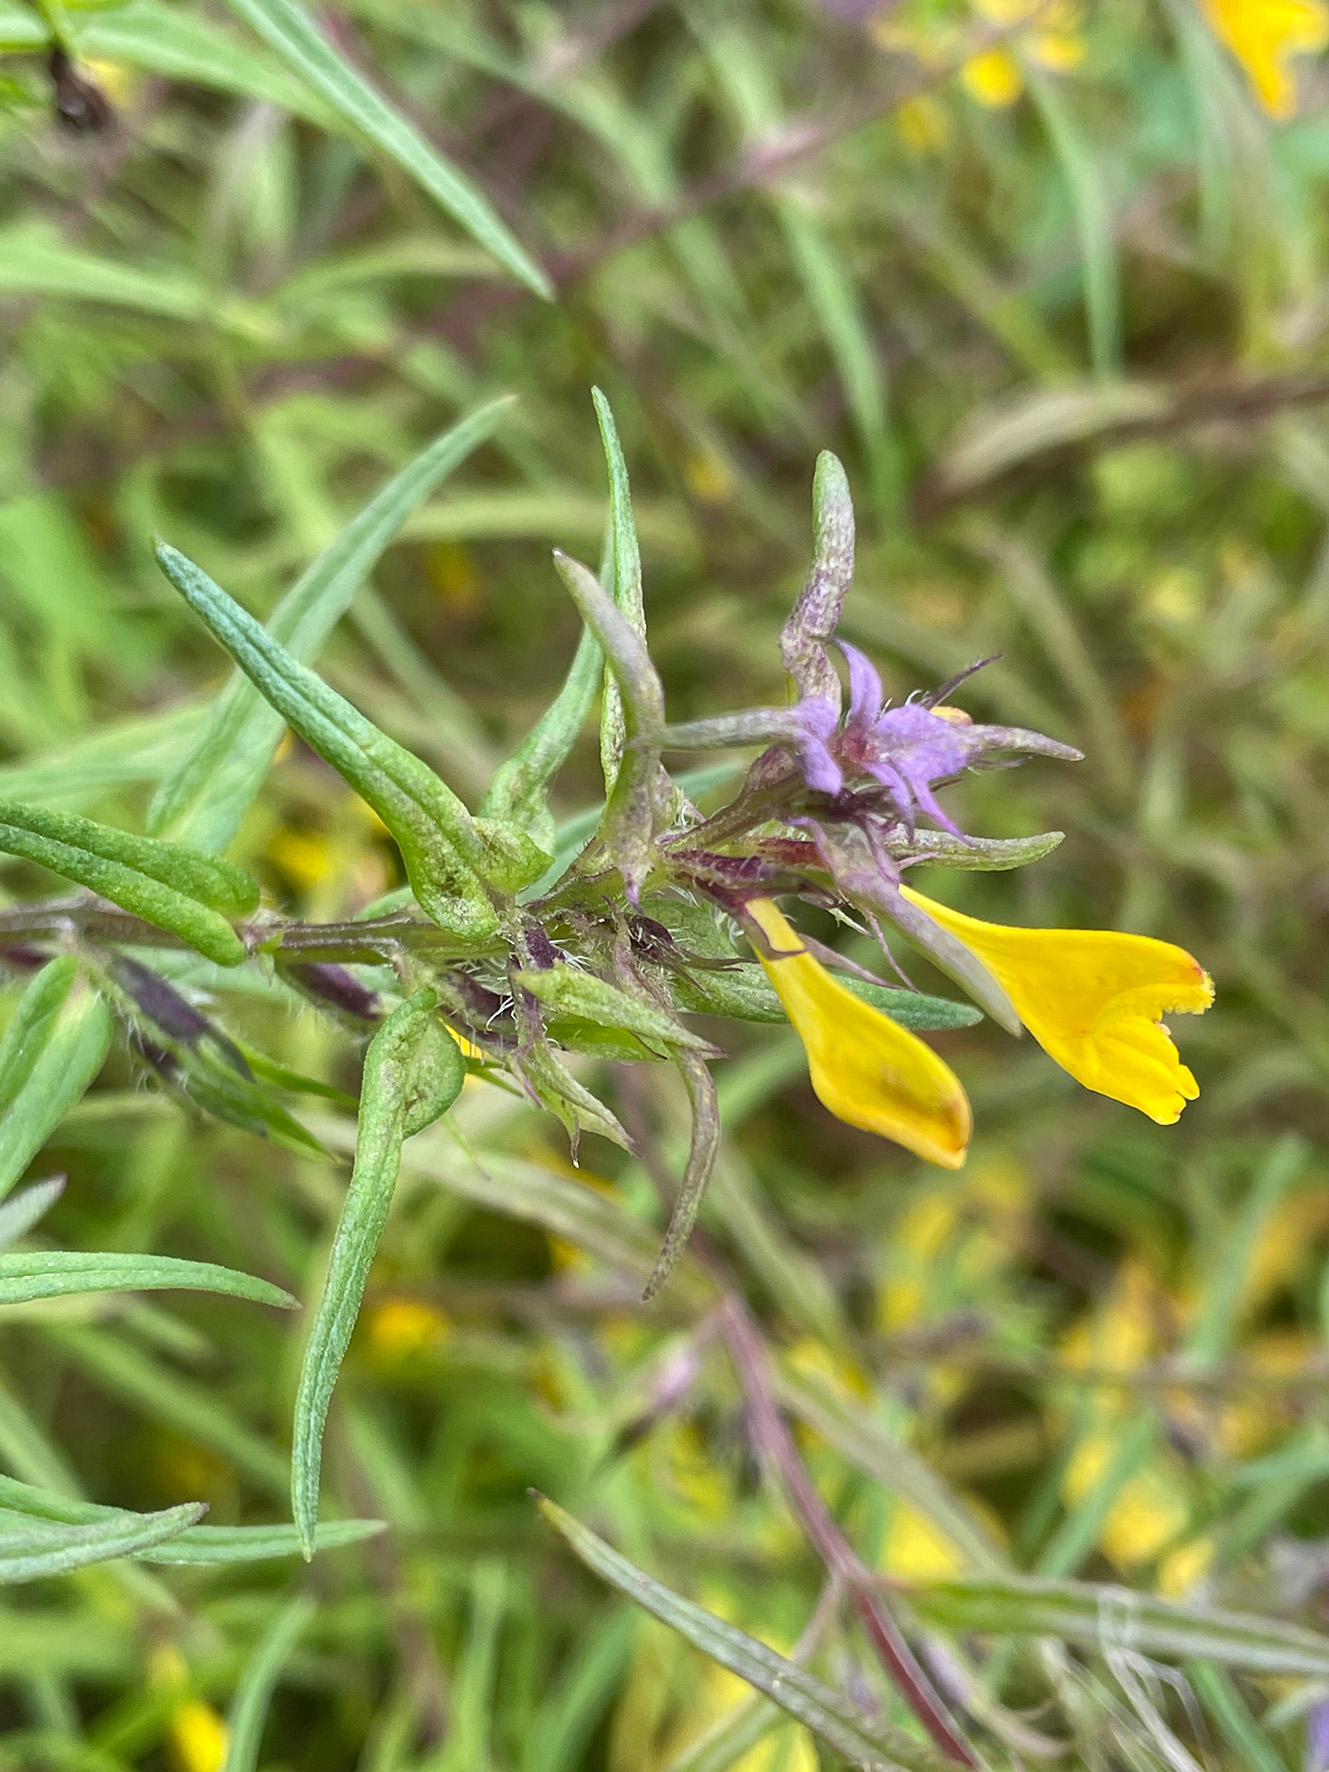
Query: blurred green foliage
[[1073, 350]]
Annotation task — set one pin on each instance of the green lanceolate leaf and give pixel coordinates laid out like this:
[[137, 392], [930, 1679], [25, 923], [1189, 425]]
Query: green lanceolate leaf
[[557, 1089], [288, 30], [206, 795], [983, 854], [59, 1273], [567, 990], [199, 1547], [815, 615], [864, 1739], [1119, 1618], [414, 1071], [174, 888], [445, 851], [703, 1149], [623, 581], [249, 1707], [53, 1048], [629, 820], [519, 792], [38, 1549], [213, 1547], [743, 997]]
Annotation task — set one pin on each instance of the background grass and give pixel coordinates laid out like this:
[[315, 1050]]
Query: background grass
[[1073, 352]]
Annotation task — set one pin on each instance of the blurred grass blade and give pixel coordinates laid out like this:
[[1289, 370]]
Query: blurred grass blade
[[35, 1552], [249, 1708], [171, 1400], [1224, 1704], [1115, 1617], [439, 841], [202, 800], [863, 1739], [1093, 222], [173, 888], [289, 31], [61, 1273], [899, 1469], [413, 1073], [567, 1721], [835, 301], [183, 45], [61, 1032], [17, 1216], [36, 261], [1218, 1316]]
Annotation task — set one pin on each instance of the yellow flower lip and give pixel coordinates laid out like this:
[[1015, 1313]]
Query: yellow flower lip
[[865, 1068], [1093, 999], [1264, 35]]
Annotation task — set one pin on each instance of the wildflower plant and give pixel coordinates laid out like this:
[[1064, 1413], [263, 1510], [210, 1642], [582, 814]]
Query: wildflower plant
[[512, 956]]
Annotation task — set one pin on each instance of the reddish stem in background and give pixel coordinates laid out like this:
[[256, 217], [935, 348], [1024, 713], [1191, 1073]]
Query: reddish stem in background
[[776, 1450]]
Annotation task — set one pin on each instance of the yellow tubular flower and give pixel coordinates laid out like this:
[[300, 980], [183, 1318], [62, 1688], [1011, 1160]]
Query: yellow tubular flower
[[1264, 35], [1092, 999], [868, 1070]]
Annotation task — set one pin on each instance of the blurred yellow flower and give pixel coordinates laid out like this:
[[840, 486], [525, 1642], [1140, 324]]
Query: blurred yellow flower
[[400, 1327], [1181, 1569], [993, 76], [1264, 35], [868, 1070], [914, 1549], [198, 1737], [1092, 998]]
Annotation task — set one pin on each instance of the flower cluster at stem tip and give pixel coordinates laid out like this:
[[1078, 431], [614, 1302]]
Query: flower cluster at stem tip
[[832, 813]]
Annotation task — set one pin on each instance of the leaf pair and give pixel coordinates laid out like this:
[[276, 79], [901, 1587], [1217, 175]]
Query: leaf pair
[[174, 888], [50, 1533]]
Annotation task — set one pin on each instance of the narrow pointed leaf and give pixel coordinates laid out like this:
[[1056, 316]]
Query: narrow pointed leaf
[[628, 824], [864, 1739], [33, 1552], [172, 888], [198, 1547], [289, 31], [202, 800], [443, 848], [703, 1148], [213, 1547], [60, 1273], [566, 990], [625, 568], [815, 615], [413, 1072]]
